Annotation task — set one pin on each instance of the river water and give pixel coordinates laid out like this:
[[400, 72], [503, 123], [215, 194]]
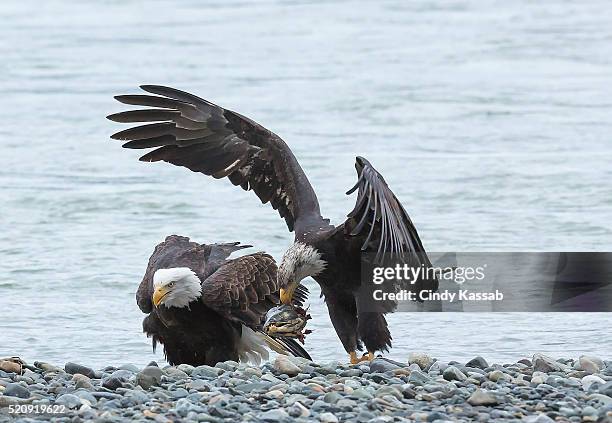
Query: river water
[[490, 121]]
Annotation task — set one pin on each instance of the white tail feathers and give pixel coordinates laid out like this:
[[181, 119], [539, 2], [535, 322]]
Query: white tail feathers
[[253, 346]]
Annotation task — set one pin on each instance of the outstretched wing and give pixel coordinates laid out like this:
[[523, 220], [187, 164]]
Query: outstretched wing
[[189, 131], [383, 228], [379, 218]]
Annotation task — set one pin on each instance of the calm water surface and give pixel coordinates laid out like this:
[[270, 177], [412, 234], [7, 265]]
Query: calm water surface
[[491, 122]]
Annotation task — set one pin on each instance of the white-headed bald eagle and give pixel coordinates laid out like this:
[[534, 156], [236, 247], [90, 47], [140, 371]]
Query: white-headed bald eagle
[[189, 131], [205, 308]]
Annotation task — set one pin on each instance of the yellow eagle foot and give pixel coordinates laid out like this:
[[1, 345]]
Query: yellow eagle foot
[[369, 356]]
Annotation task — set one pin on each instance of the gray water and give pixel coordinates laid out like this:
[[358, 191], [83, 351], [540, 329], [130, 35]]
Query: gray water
[[491, 121]]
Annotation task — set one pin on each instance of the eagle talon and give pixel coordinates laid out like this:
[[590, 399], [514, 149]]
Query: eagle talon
[[369, 356]]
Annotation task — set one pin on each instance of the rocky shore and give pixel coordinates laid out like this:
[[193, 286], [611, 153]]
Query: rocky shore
[[539, 389]]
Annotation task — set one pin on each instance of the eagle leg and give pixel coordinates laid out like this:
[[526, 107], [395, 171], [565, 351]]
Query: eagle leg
[[353, 358]]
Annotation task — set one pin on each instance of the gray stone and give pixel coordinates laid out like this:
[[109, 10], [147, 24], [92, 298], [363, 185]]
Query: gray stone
[[590, 364], [206, 372], [228, 365], [116, 379], [183, 407], [332, 397], [496, 376], [85, 395], [74, 368], [543, 363], [481, 397], [601, 398], [328, 418], [253, 386], [606, 389], [381, 365], [276, 415], [437, 367], [149, 376], [283, 365], [176, 373], [68, 400], [199, 385], [298, 410], [136, 397], [421, 359], [46, 367], [351, 373], [418, 378], [179, 393], [453, 373], [188, 369], [361, 393], [82, 381], [16, 390], [130, 367], [389, 390], [477, 362], [539, 418]]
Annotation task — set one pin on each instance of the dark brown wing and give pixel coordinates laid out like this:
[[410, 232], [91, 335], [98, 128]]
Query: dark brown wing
[[379, 218], [179, 251], [189, 131], [243, 289]]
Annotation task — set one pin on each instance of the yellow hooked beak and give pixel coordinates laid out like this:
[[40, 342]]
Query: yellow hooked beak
[[286, 294], [159, 294]]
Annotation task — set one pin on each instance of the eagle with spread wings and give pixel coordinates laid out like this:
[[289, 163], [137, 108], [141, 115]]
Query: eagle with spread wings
[[189, 131]]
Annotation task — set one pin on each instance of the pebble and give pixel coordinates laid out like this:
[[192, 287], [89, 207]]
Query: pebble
[[10, 366], [418, 378], [453, 373], [477, 362], [82, 381], [590, 364], [289, 389], [74, 368], [149, 376], [274, 415], [298, 410], [496, 376], [16, 390], [420, 359], [286, 366], [546, 364], [328, 418], [606, 389], [481, 397], [116, 379], [68, 400], [540, 418]]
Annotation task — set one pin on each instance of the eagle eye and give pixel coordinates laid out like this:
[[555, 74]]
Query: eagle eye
[[171, 284]]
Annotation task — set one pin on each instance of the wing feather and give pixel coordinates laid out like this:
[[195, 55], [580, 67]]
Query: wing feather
[[241, 290], [188, 131], [379, 218]]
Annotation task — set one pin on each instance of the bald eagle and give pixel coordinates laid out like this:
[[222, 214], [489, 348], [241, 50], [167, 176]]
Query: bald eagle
[[186, 130], [205, 308]]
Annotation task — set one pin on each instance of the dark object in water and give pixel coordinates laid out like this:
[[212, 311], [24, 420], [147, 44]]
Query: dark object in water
[[286, 321]]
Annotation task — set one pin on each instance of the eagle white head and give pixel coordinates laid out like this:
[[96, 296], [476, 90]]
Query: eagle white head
[[176, 287], [299, 261]]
